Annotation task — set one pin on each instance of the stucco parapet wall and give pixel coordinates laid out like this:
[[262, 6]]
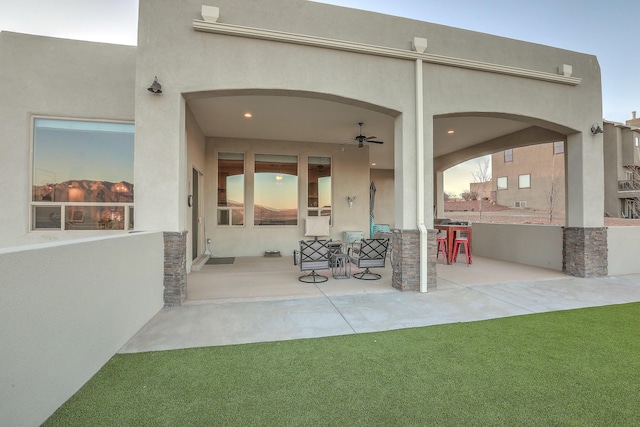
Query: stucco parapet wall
[[349, 46]]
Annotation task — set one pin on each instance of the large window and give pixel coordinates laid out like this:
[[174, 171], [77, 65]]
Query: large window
[[82, 175], [275, 194], [230, 189], [319, 187], [524, 181]]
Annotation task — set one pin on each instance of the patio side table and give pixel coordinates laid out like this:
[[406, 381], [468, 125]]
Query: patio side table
[[340, 266]]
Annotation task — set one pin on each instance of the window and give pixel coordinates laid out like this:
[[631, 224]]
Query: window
[[637, 141], [230, 189], [275, 190], [502, 183], [508, 155], [558, 147], [524, 181], [82, 175], [319, 187]]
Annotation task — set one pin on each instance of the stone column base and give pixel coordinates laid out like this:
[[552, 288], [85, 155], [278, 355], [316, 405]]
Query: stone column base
[[175, 268], [406, 260], [584, 252]]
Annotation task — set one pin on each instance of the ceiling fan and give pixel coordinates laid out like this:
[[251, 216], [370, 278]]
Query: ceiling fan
[[361, 139]]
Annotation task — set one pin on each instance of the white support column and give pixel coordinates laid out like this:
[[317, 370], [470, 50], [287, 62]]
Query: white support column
[[420, 45]]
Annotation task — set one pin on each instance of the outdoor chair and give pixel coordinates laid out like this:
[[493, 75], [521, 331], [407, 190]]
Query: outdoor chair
[[371, 253], [313, 255]]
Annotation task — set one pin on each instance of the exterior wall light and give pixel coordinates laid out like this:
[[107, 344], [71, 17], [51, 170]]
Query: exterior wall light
[[155, 87], [596, 129]]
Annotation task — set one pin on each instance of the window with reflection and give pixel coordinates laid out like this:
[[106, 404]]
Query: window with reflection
[[275, 196], [319, 187], [82, 175], [230, 189]]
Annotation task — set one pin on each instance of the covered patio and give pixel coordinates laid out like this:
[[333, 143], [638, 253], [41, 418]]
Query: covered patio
[[271, 279]]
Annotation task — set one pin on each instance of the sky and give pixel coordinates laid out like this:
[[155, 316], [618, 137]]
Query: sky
[[607, 29]]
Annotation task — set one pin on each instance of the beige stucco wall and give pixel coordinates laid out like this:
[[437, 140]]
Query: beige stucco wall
[[66, 309], [537, 245], [385, 202], [349, 177], [59, 78], [623, 258]]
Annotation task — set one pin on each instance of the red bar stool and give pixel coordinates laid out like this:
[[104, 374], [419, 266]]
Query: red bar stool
[[461, 241], [442, 246]]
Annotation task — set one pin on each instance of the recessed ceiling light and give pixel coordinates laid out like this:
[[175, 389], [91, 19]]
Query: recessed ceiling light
[[373, 164], [451, 131], [248, 115]]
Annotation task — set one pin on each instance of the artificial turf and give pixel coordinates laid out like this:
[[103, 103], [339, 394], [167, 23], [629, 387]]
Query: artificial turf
[[569, 368]]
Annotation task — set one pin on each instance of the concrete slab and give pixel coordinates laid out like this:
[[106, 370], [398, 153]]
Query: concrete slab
[[257, 304]]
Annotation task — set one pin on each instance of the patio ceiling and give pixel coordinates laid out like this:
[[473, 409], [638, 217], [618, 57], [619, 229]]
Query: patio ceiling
[[307, 119]]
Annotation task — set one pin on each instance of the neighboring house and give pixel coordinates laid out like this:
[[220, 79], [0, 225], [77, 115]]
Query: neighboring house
[[530, 177], [534, 177], [622, 163]]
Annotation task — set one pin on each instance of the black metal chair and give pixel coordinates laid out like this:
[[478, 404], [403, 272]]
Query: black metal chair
[[313, 255], [372, 253]]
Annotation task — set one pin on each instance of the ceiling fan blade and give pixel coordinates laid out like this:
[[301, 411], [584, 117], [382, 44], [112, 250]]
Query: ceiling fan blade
[[376, 142], [371, 137]]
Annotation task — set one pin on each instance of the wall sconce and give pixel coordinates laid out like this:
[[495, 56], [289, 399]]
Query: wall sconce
[[350, 200], [155, 87], [596, 129]]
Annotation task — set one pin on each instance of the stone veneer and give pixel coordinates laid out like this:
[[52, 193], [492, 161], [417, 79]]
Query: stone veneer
[[584, 252], [405, 257], [175, 268]]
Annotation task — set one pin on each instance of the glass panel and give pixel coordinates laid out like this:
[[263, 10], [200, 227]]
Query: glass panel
[[130, 217], [237, 217], [223, 217], [46, 217], [94, 218], [502, 183], [558, 147], [276, 190], [508, 155], [524, 181], [319, 174], [231, 188], [82, 161]]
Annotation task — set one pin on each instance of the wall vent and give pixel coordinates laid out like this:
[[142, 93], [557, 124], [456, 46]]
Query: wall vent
[[521, 204]]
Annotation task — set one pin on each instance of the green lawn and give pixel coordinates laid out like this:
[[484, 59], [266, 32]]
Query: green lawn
[[578, 367]]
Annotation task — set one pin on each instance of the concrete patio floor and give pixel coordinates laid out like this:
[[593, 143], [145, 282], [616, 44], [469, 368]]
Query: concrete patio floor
[[260, 299]]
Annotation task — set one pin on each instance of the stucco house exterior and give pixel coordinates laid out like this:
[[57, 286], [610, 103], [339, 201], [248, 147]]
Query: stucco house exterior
[[533, 177], [435, 95], [530, 177]]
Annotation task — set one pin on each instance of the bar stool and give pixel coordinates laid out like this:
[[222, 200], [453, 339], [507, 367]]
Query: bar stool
[[461, 241], [442, 246]]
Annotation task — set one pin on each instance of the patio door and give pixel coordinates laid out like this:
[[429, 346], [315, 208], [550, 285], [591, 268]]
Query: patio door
[[195, 213]]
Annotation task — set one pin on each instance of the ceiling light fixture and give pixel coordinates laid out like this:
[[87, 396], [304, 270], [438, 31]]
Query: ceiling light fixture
[[451, 131], [248, 115]]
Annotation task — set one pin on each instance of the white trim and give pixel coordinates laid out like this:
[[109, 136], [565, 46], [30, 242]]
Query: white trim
[[263, 34]]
